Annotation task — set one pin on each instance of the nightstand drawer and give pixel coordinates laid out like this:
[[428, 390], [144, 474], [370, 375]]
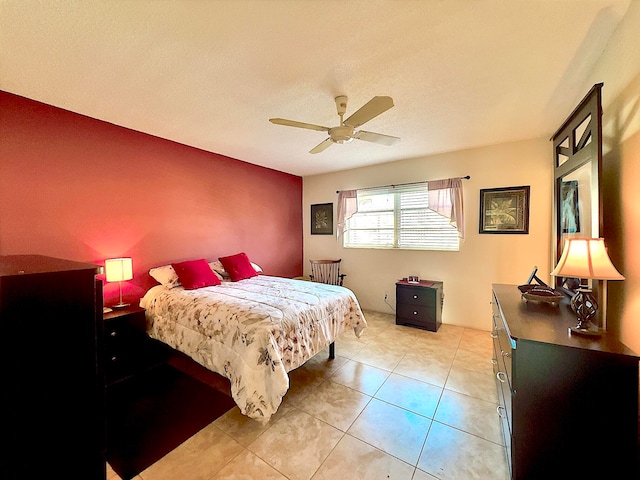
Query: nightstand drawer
[[416, 296], [122, 334], [416, 313]]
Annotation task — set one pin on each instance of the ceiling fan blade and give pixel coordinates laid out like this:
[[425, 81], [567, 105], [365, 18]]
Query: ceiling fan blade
[[376, 138], [371, 109], [322, 146], [292, 123]]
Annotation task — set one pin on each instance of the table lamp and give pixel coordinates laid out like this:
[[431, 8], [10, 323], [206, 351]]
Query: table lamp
[[118, 270], [587, 258]]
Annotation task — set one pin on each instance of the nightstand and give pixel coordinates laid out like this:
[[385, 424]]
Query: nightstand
[[419, 304], [128, 349]]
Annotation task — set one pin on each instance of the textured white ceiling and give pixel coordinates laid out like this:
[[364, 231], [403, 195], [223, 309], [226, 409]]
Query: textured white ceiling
[[210, 74]]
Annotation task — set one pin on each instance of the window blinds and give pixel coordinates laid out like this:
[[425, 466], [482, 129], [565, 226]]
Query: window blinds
[[410, 216]]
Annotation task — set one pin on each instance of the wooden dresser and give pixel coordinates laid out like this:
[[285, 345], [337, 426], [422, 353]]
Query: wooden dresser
[[569, 404], [419, 304], [52, 397]]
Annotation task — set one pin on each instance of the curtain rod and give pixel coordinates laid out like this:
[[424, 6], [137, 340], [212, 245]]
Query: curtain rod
[[468, 177]]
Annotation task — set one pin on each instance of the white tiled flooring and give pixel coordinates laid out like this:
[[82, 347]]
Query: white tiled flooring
[[398, 403]]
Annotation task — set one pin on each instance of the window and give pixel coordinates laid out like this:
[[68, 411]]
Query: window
[[400, 217]]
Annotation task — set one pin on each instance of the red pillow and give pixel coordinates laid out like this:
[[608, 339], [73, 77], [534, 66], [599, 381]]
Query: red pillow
[[238, 266], [195, 274]]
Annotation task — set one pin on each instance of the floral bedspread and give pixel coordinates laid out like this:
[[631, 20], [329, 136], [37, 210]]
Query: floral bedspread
[[253, 331]]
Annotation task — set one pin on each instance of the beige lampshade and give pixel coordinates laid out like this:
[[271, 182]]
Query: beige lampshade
[[586, 258], [118, 269]]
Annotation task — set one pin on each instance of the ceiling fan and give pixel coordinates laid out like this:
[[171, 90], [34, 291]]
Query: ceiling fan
[[347, 130]]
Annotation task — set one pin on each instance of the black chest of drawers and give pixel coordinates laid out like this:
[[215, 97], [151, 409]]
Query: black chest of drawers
[[419, 304], [52, 395], [569, 404]]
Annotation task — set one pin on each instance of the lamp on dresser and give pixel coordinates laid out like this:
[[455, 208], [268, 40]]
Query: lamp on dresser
[[587, 258], [119, 270]]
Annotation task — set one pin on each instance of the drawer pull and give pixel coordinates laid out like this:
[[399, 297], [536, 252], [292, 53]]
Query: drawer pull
[[114, 359], [505, 354], [415, 313], [114, 333], [501, 411], [415, 296], [493, 335], [502, 377]]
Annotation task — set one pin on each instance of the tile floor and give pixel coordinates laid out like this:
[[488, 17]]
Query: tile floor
[[398, 403]]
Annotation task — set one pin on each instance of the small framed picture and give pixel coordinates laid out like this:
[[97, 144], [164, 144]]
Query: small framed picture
[[413, 279], [322, 219], [504, 210]]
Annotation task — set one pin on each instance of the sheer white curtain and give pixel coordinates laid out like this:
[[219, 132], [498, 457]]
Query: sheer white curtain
[[445, 198], [347, 206]]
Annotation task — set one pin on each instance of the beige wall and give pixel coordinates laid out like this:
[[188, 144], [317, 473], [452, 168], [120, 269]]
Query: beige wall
[[619, 69], [483, 259]]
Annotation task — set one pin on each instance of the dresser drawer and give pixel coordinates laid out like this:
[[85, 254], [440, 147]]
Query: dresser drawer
[[504, 384], [502, 372], [504, 344], [504, 401]]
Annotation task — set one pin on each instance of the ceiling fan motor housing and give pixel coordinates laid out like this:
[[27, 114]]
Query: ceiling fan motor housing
[[342, 134]]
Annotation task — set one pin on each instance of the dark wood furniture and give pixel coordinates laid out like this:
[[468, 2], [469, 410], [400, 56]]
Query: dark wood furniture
[[577, 157], [419, 304], [52, 397], [156, 396], [128, 350], [152, 413], [569, 404], [327, 271]]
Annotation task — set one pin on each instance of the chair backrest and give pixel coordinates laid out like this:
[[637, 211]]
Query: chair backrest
[[326, 271]]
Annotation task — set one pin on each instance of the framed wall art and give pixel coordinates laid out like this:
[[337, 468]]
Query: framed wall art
[[322, 219], [504, 210]]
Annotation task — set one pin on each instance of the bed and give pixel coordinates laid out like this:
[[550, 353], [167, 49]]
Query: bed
[[252, 331]]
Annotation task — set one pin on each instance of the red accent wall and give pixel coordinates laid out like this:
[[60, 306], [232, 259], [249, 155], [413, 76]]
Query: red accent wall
[[83, 189]]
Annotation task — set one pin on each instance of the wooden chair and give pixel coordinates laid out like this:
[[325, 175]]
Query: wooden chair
[[326, 271]]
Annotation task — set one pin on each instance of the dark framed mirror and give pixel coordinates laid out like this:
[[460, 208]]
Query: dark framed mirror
[[577, 150]]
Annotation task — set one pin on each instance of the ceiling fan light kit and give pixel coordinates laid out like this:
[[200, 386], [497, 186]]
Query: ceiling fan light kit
[[346, 131], [342, 134]]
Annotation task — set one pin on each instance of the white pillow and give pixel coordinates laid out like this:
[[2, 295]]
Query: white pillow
[[166, 276], [219, 269]]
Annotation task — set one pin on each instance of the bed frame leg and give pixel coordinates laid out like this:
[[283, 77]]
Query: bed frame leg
[[332, 351]]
